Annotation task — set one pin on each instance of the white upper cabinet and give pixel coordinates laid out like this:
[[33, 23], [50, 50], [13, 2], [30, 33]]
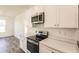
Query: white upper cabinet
[[56, 16], [31, 12], [50, 16], [28, 14], [68, 16], [62, 16], [37, 9]]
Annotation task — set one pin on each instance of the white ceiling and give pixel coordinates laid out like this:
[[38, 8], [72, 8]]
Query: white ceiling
[[12, 10]]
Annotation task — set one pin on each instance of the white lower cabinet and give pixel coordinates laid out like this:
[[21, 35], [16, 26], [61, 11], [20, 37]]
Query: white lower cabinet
[[23, 44], [44, 49]]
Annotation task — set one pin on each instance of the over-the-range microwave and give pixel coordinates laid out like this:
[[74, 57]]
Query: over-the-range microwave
[[38, 19]]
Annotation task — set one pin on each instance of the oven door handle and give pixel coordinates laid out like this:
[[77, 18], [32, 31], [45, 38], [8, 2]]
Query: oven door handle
[[31, 41]]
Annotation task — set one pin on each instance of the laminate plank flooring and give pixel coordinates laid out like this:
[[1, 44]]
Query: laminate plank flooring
[[10, 45]]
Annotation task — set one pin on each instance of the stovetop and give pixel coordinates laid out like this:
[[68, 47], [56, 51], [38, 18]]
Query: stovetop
[[35, 38]]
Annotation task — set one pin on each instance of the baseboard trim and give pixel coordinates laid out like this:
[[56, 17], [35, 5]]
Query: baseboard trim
[[7, 36]]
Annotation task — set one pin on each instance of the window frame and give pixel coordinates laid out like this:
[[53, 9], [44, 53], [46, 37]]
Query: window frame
[[3, 26]]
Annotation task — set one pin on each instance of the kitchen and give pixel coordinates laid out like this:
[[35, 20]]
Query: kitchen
[[61, 23], [44, 28]]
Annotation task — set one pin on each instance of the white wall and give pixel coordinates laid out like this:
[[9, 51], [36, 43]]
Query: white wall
[[19, 26], [9, 26], [19, 32]]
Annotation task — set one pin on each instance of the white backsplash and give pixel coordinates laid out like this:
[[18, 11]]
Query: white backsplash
[[59, 33]]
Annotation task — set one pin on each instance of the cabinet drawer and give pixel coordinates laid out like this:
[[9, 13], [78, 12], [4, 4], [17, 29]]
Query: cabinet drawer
[[44, 49]]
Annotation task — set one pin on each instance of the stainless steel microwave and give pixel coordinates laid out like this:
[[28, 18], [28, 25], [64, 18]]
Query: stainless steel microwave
[[38, 19]]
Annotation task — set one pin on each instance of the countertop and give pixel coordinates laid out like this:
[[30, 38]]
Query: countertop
[[59, 45]]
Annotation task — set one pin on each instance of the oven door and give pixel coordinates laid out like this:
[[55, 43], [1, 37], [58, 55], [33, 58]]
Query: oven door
[[32, 46]]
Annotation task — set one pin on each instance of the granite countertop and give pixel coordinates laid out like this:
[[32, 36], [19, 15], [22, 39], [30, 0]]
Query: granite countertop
[[59, 45]]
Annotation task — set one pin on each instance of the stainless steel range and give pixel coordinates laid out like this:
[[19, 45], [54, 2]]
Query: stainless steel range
[[33, 41]]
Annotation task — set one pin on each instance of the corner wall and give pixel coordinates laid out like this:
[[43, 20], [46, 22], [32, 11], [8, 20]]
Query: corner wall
[[9, 26]]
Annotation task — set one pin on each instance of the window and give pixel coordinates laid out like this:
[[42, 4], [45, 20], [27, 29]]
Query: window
[[2, 25]]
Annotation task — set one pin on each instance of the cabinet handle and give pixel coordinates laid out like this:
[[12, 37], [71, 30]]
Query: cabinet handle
[[57, 24], [52, 52]]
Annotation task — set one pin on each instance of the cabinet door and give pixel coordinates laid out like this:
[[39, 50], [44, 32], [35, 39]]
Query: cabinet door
[[68, 16], [44, 49], [28, 15], [36, 10], [50, 16], [23, 44]]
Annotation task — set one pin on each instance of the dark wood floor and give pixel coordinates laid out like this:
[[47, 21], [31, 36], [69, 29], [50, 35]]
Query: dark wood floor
[[10, 45]]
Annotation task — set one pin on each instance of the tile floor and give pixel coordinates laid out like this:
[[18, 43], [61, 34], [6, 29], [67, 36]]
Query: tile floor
[[10, 45]]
